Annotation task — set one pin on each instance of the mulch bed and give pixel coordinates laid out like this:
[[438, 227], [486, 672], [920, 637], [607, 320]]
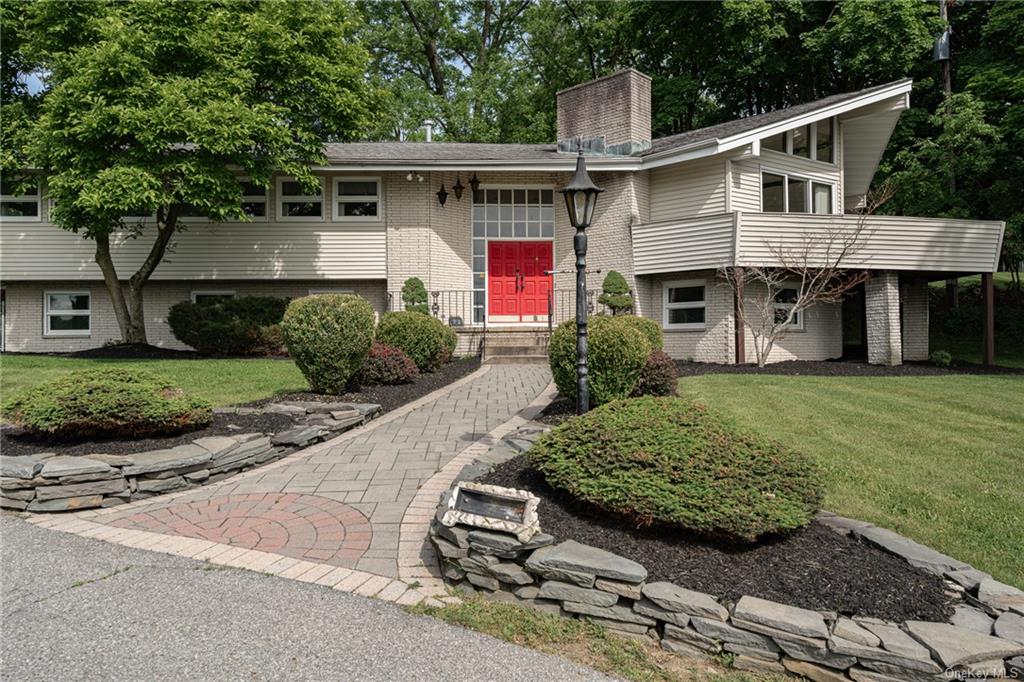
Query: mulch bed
[[814, 568], [388, 397], [841, 368], [222, 425], [134, 351]]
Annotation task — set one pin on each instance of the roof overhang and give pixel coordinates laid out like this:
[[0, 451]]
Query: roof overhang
[[568, 164], [717, 146]]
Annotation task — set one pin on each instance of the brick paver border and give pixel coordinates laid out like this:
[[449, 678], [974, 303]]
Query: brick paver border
[[419, 577]]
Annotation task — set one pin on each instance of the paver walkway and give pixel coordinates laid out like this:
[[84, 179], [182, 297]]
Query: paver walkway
[[339, 504]]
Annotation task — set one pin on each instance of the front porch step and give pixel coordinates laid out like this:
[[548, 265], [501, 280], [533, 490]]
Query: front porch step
[[529, 346], [516, 360]]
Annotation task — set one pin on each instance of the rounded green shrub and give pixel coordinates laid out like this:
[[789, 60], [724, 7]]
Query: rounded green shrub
[[328, 336], [615, 293], [616, 353], [423, 338], [237, 326], [660, 376], [648, 327], [386, 365], [670, 460], [941, 358], [414, 296], [98, 403]]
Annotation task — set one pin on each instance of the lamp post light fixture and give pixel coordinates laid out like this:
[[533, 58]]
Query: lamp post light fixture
[[580, 199]]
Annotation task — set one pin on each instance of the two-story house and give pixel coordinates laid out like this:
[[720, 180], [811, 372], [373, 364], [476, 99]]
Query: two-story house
[[496, 253]]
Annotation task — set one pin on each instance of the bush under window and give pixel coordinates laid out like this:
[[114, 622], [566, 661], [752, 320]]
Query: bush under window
[[328, 336], [660, 376], [423, 338], [648, 327], [234, 326], [616, 353], [386, 365], [671, 461], [109, 402]]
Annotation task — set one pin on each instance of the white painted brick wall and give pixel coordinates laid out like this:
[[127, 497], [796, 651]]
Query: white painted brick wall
[[914, 321], [882, 302]]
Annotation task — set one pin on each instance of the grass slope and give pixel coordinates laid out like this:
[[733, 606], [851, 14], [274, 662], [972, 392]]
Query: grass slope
[[940, 459], [221, 381]]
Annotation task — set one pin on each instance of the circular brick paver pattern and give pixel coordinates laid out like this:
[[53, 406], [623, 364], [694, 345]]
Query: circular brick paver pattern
[[306, 527]]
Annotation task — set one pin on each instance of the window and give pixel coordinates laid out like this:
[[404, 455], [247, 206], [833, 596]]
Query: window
[[783, 193], [814, 141], [357, 199], [784, 301], [211, 296], [254, 199], [821, 198], [19, 206], [294, 204], [823, 141], [66, 313], [684, 305], [802, 141]]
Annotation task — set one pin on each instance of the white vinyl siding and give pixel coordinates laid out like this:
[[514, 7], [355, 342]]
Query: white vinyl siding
[[67, 313], [688, 189], [694, 244], [746, 171]]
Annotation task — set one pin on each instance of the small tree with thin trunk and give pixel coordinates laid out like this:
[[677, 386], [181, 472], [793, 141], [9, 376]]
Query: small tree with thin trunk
[[151, 107], [816, 270]]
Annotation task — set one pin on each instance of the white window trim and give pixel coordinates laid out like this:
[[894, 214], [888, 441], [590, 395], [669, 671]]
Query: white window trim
[[338, 198], [212, 292], [787, 142], [47, 314], [25, 198], [801, 315], [279, 202], [808, 178], [666, 306]]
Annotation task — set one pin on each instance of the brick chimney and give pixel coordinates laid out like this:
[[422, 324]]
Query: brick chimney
[[612, 114]]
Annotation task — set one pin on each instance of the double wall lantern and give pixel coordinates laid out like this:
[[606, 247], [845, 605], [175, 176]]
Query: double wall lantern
[[458, 188]]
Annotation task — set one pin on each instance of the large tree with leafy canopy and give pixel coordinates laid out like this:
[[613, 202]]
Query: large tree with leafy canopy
[[153, 105]]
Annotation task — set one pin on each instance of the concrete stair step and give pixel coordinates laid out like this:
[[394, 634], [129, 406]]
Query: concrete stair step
[[515, 350], [516, 360]]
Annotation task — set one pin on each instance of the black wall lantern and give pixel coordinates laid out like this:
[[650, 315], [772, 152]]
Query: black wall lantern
[[474, 183], [580, 200], [442, 195], [457, 187]]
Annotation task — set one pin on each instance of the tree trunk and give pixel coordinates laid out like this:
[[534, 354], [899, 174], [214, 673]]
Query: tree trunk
[[127, 297]]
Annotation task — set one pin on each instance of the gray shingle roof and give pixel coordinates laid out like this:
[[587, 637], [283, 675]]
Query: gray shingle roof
[[381, 152]]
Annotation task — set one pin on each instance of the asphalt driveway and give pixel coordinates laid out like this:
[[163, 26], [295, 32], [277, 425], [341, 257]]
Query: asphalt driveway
[[74, 608]]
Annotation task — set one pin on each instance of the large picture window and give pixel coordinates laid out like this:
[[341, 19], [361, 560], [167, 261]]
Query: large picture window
[[357, 199], [784, 193], [67, 313], [684, 305], [19, 206], [295, 203]]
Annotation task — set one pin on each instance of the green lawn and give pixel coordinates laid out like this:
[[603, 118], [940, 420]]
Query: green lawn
[[221, 381], [940, 459]]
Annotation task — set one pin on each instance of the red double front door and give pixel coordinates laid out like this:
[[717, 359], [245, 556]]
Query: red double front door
[[517, 288]]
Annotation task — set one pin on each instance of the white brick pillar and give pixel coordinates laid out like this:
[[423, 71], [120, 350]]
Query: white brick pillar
[[882, 303], [914, 321]]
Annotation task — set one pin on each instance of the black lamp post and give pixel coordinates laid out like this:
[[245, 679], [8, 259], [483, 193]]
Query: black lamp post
[[580, 200]]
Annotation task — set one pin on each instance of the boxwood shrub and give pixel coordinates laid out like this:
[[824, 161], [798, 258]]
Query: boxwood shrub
[[648, 327], [109, 402], [387, 365], [237, 326], [423, 338], [616, 353], [328, 336], [671, 461]]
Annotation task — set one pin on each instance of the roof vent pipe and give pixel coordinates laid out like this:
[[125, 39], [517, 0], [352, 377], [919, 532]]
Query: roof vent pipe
[[428, 127]]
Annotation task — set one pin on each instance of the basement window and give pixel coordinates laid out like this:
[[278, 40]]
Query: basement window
[[683, 304], [212, 296], [784, 301], [67, 313]]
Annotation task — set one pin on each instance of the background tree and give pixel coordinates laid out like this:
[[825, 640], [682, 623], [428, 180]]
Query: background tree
[[150, 106]]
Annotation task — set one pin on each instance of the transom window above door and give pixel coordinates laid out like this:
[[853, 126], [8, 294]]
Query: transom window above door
[[513, 213]]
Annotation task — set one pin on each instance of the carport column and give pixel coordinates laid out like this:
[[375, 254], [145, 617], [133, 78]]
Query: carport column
[[914, 323], [882, 302]]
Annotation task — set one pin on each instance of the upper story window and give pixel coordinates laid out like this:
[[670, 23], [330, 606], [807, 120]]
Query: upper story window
[[67, 313], [254, 199], [357, 199], [19, 206], [784, 193], [294, 203], [683, 304], [813, 141]]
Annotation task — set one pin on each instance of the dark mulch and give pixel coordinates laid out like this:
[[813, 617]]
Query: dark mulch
[[222, 425], [134, 351], [814, 568], [389, 397], [557, 411], [841, 368]]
